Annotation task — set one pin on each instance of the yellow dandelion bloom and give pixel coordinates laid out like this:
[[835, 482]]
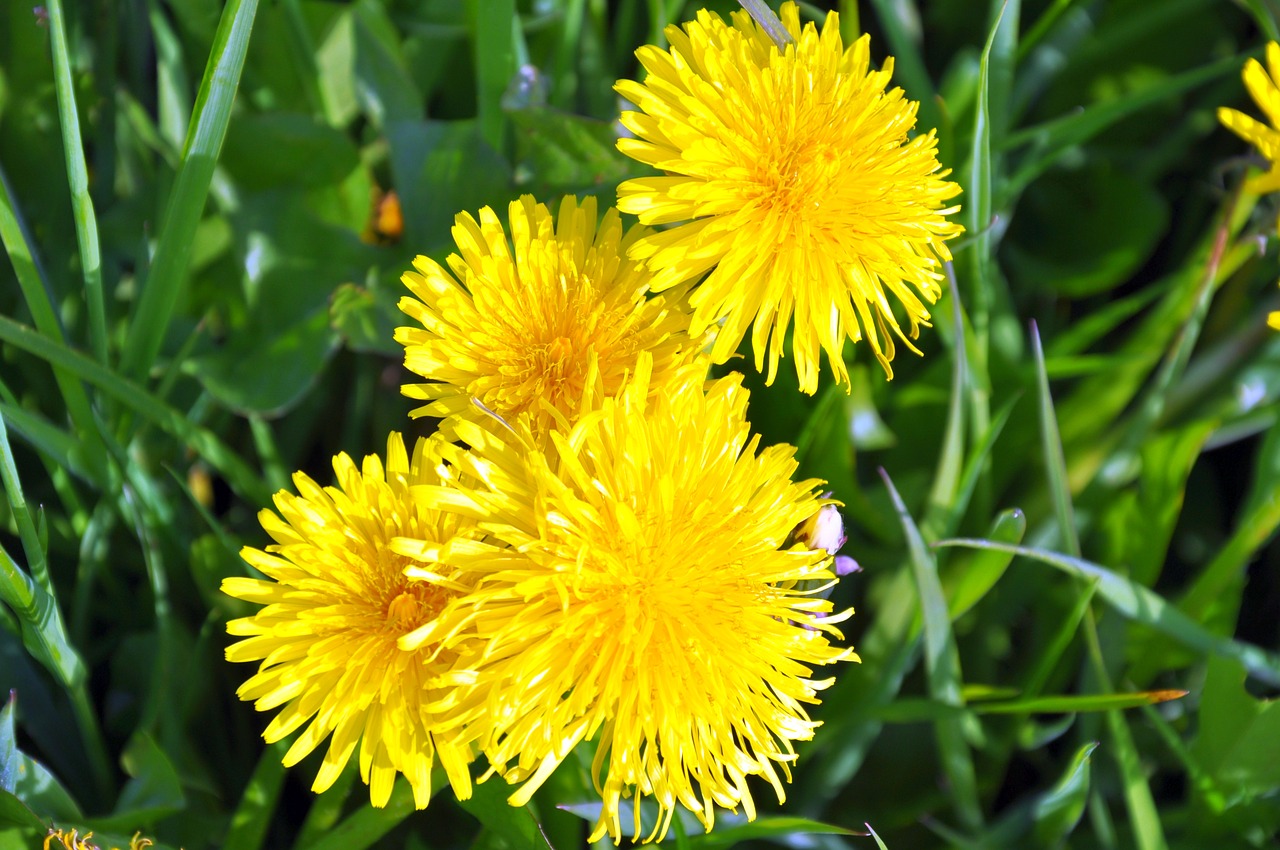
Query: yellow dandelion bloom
[[335, 602], [517, 322], [1262, 85], [797, 189], [639, 589]]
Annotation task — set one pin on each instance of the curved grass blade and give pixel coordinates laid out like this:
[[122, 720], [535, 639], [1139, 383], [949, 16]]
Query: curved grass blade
[[78, 177], [205, 133], [1143, 605], [239, 474], [36, 294]]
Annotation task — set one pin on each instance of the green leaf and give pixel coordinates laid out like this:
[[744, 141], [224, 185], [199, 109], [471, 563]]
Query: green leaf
[[299, 151], [368, 825], [1105, 224], [558, 153], [1057, 811], [153, 791], [733, 829], [971, 580], [1051, 446], [1239, 740], [366, 318], [515, 824]]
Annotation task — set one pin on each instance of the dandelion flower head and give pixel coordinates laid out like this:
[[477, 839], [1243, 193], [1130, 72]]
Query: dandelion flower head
[[517, 323], [336, 600], [639, 589], [794, 187], [1264, 87], [1262, 84]]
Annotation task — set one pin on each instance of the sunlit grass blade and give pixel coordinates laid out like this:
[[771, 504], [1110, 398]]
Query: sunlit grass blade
[[1144, 818], [1143, 605], [32, 546], [942, 665], [1074, 703], [78, 176], [239, 474], [1001, 64], [1054, 461], [205, 133]]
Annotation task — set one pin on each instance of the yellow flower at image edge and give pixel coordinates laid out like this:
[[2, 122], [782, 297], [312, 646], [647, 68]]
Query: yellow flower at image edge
[[638, 589], [519, 324], [335, 603], [794, 186], [1264, 86], [1266, 93]]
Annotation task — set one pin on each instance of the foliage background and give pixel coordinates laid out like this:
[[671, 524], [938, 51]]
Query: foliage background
[[184, 321]]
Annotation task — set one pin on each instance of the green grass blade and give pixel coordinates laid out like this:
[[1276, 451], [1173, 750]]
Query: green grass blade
[[1001, 63], [1057, 137], [1075, 703], [242, 477], [494, 30], [78, 176], [32, 546], [515, 825], [36, 294], [258, 802], [1144, 818], [942, 665], [946, 480], [901, 24], [1043, 25], [980, 574], [205, 133], [1054, 461], [42, 630], [366, 825], [1143, 605]]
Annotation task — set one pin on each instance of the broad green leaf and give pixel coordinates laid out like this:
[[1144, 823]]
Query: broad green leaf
[[515, 824], [1239, 739], [558, 153], [273, 149]]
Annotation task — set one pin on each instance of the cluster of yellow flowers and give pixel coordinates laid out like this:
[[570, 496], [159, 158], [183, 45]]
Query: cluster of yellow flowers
[[1264, 88], [593, 546]]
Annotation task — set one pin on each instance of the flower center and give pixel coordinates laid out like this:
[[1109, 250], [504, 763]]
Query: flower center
[[416, 604]]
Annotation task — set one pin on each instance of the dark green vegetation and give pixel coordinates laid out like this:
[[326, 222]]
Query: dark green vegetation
[[185, 320]]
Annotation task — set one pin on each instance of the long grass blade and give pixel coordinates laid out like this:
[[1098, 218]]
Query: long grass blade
[[242, 478], [942, 665], [205, 133], [1054, 461], [1143, 605], [78, 176]]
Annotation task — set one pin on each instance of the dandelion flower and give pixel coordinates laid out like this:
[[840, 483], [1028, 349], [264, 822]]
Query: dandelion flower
[[797, 190], [1266, 93], [1264, 87], [336, 601], [516, 324], [639, 589]]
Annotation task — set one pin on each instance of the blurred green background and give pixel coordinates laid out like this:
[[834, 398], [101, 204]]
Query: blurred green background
[[199, 299]]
